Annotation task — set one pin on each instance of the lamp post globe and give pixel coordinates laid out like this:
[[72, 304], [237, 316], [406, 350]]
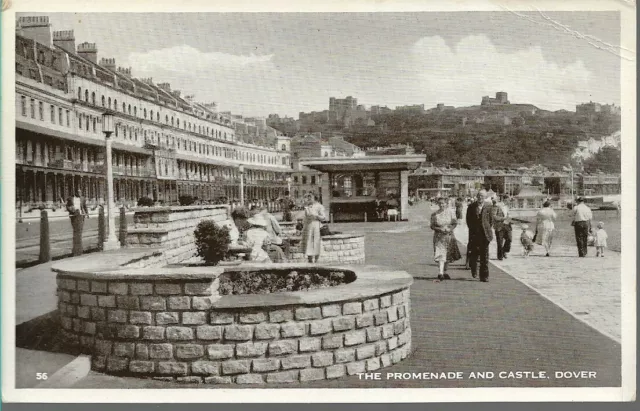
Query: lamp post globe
[[111, 242]]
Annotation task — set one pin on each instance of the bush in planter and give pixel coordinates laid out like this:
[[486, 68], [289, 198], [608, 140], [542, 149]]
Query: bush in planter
[[187, 200], [145, 202], [212, 241]]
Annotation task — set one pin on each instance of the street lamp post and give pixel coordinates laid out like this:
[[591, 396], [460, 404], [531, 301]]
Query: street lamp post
[[241, 170], [111, 242], [571, 168]]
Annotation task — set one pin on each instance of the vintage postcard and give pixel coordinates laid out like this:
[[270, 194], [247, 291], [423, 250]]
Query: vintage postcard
[[355, 201]]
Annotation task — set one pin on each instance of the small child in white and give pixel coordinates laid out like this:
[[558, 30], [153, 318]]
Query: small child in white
[[526, 239], [601, 240]]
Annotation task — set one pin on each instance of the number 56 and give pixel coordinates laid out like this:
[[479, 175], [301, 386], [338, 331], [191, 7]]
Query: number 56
[[41, 376]]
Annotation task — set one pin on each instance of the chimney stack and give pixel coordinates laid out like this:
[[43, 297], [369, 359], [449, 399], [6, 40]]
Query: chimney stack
[[165, 86], [125, 71], [108, 63], [89, 51], [36, 28], [66, 40]]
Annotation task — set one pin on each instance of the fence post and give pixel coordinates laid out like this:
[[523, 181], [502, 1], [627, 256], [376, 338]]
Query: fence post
[[45, 243], [123, 227], [101, 227]]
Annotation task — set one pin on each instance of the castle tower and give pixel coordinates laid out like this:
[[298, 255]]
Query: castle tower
[[66, 40], [89, 51]]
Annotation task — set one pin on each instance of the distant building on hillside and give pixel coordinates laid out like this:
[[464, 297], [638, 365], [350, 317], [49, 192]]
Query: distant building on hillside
[[588, 108], [501, 99], [416, 108]]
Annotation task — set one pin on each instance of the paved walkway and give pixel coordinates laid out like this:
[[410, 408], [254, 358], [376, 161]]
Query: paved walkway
[[458, 325]]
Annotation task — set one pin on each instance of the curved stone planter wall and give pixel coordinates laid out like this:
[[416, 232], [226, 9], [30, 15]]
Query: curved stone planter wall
[[175, 325], [337, 248]]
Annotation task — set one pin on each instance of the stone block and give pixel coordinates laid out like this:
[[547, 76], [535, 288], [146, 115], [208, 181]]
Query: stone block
[[179, 303], [385, 360], [404, 337], [373, 364], [396, 356], [352, 308], [398, 327], [308, 313], [194, 318], [344, 323], [285, 376], [371, 304], [153, 333], [165, 318], [266, 331], [365, 351], [141, 288], [236, 367], [98, 287], [141, 367], [292, 329], [128, 331], [322, 359], [161, 351], [172, 368], [209, 332], [392, 314], [392, 343], [128, 302], [374, 334], [168, 288], [84, 311], [238, 332], [117, 316], [202, 303], [312, 374], [332, 341], [66, 323], [252, 318], [282, 347], [387, 331], [153, 303], [380, 318], [140, 317], [189, 380], [218, 380], [336, 371], [398, 298], [295, 361], [83, 285], [320, 327], [220, 351], [401, 311], [64, 296], [189, 351], [265, 364], [118, 288], [355, 338], [179, 333], [309, 344], [250, 379], [198, 288], [251, 349], [75, 298], [88, 299], [98, 362], [332, 310], [117, 364], [356, 367], [107, 301], [221, 318], [364, 320], [142, 351], [205, 368], [381, 347], [103, 347], [344, 355]]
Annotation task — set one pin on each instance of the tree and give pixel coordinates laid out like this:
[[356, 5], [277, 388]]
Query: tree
[[607, 160]]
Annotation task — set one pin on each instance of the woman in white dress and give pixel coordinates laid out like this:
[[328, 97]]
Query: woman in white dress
[[545, 226], [314, 215], [257, 238]]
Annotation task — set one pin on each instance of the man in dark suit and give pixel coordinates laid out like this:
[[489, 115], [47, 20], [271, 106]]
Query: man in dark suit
[[480, 220], [502, 227]]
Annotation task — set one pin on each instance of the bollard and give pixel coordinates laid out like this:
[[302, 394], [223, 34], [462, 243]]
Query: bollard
[[77, 224], [123, 227], [101, 228], [45, 243]]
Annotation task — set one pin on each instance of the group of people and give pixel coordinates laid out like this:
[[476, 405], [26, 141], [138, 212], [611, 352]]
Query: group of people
[[259, 230], [488, 218]]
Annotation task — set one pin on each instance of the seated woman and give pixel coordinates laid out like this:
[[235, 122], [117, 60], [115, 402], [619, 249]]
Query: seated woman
[[257, 238]]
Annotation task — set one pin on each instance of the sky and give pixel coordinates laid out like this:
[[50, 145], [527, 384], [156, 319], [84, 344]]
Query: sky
[[255, 64]]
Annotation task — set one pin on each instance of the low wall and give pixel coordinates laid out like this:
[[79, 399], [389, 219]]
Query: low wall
[[336, 248], [171, 228], [175, 325]]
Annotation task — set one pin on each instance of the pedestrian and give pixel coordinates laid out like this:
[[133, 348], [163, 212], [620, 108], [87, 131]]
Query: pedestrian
[[459, 208], [601, 239], [581, 223], [526, 239], [77, 208], [257, 238], [314, 215], [275, 240], [287, 205], [545, 226], [480, 220], [445, 247], [502, 228]]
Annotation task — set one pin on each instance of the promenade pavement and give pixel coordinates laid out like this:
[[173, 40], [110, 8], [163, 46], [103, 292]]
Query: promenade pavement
[[458, 325]]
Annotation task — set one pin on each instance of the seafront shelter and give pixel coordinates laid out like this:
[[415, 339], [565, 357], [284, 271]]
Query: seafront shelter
[[352, 187]]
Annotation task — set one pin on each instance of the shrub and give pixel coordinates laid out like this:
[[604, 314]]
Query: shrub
[[212, 241], [245, 282], [186, 200], [145, 202]]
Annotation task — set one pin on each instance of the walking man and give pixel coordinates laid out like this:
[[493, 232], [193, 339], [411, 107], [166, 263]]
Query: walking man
[[77, 208], [480, 220], [502, 228], [582, 217]]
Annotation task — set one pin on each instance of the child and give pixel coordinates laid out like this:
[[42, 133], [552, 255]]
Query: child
[[600, 240], [526, 239]]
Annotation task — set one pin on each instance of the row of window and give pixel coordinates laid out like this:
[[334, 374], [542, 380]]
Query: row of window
[[56, 114], [304, 180], [175, 122]]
